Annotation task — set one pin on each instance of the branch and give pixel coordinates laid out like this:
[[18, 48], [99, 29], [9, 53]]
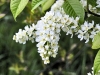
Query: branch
[[90, 12], [93, 13]]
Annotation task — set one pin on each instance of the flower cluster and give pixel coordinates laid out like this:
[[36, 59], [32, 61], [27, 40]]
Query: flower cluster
[[83, 32], [24, 35], [48, 34], [47, 31], [88, 31]]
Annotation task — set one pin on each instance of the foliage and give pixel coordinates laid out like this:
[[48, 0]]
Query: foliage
[[74, 9], [47, 5], [17, 6], [36, 3], [96, 41], [74, 56], [97, 63]]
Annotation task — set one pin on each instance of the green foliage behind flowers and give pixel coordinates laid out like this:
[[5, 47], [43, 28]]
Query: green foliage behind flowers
[[74, 9], [74, 56], [96, 42]]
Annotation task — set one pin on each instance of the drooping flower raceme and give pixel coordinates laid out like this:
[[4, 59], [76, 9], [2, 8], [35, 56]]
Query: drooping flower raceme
[[24, 35], [83, 32], [21, 36], [47, 31]]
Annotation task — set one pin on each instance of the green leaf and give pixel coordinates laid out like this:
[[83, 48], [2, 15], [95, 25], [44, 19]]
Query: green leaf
[[47, 5], [96, 19], [74, 8], [96, 41], [17, 7], [92, 2], [96, 65], [36, 3]]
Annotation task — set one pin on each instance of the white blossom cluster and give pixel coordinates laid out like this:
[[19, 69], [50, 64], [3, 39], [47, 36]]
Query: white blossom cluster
[[83, 32], [88, 30], [92, 73], [24, 35], [48, 34], [47, 31]]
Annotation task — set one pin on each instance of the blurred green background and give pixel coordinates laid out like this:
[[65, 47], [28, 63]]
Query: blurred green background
[[74, 56]]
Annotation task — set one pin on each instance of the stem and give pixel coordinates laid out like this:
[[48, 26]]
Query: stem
[[84, 61]]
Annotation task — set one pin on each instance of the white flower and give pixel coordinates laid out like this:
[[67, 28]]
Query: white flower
[[93, 33], [48, 15], [65, 28], [49, 53], [28, 30], [56, 6], [69, 21], [81, 34], [40, 47], [86, 31], [86, 37], [75, 22], [46, 61], [54, 55], [51, 25], [58, 16], [91, 25], [92, 72], [84, 2], [70, 32], [21, 36], [64, 19], [54, 45], [46, 47], [85, 26], [24, 35], [89, 74], [98, 3], [97, 26]]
